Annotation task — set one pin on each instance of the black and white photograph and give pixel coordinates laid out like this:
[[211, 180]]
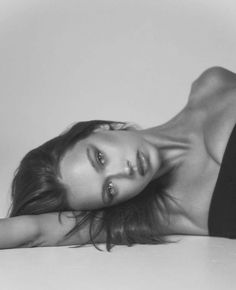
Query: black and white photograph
[[118, 144]]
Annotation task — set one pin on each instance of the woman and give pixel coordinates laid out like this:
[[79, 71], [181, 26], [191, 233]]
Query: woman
[[113, 183]]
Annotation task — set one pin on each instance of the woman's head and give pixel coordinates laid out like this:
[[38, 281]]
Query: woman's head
[[37, 186], [62, 174], [104, 169]]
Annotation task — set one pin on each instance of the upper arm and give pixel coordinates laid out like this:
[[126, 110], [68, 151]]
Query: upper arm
[[52, 231], [18, 231], [211, 82]]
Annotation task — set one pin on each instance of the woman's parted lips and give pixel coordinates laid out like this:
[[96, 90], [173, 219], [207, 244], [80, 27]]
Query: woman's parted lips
[[142, 163]]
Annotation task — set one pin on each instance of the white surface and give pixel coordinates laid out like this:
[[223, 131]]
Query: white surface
[[191, 264]]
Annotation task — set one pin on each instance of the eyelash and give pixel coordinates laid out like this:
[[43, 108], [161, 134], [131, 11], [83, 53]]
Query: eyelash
[[110, 188], [111, 192], [98, 158]]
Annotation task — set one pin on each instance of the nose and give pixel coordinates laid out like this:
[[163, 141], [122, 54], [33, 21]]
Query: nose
[[129, 170], [124, 169]]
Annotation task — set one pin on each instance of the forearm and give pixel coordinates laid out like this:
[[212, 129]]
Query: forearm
[[17, 231], [52, 232]]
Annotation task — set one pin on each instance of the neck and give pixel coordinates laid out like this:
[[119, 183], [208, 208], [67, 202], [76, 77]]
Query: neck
[[172, 140]]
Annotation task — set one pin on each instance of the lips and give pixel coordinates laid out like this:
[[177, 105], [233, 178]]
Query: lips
[[142, 163]]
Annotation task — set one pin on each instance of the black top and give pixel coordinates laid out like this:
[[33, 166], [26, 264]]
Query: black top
[[222, 211]]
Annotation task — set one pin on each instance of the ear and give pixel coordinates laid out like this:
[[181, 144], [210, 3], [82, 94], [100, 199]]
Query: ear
[[118, 126]]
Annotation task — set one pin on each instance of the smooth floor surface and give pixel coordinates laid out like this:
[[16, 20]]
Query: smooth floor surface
[[191, 263]]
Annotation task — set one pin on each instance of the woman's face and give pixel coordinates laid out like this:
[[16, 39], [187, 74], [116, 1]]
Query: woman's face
[[107, 168]]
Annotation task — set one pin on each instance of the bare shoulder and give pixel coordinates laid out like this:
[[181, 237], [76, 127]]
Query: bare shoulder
[[213, 80], [217, 73], [213, 98]]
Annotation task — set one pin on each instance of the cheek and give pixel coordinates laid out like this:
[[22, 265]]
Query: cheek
[[82, 186], [85, 194], [131, 189]]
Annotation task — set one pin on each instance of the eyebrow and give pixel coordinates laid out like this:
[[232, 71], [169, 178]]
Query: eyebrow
[[97, 169]]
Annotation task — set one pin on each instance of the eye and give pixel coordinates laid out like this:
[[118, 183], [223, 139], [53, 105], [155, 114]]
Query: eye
[[110, 191], [100, 157]]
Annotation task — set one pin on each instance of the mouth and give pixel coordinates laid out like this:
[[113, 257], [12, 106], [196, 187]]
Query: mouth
[[142, 163]]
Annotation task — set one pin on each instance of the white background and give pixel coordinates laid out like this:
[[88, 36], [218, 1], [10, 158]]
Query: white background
[[129, 60]]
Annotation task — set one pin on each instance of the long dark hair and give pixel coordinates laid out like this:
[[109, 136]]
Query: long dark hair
[[37, 189]]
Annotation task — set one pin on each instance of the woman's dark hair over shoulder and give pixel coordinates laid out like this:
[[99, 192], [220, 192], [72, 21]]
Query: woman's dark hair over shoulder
[[37, 189]]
